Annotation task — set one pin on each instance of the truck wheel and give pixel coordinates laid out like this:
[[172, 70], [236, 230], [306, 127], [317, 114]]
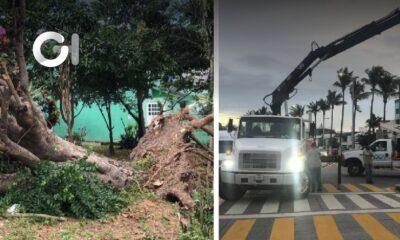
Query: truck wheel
[[302, 189], [230, 192], [355, 169]]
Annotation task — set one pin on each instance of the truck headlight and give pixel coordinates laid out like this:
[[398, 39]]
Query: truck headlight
[[296, 164], [228, 164]]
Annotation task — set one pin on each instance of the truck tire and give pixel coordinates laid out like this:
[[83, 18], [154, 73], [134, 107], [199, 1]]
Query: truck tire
[[303, 188], [355, 168], [230, 192]]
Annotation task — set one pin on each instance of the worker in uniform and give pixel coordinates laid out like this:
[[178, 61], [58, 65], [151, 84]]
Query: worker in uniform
[[368, 158], [314, 166]]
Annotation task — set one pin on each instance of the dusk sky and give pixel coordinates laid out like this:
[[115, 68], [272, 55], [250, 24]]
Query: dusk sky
[[261, 42]]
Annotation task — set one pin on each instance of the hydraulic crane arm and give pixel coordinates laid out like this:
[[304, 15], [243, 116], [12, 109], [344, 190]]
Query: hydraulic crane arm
[[315, 57]]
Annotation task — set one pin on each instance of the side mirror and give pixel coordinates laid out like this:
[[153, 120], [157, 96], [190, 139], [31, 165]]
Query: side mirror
[[230, 125]]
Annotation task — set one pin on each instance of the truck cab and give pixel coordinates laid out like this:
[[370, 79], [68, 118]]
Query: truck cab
[[268, 152], [383, 157]]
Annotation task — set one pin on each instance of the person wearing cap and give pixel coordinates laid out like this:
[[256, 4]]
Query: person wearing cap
[[368, 156], [314, 166]]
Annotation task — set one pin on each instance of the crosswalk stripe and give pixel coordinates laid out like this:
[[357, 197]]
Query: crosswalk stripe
[[330, 188], [283, 228], [301, 205], [374, 229], [389, 201], [359, 201], [372, 187], [239, 230], [331, 202], [326, 228], [239, 207], [395, 217], [352, 188], [271, 205]]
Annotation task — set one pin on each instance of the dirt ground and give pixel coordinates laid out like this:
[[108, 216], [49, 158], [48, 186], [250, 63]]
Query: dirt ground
[[146, 220]]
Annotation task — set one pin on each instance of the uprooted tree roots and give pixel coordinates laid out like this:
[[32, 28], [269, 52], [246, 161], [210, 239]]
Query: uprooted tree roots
[[181, 162]]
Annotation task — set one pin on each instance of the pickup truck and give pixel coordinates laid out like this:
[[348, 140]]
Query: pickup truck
[[383, 157], [268, 152]]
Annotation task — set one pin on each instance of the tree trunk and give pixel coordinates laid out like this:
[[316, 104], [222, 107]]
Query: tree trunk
[[315, 121], [372, 107], [353, 125], [110, 129], [384, 109], [24, 135], [141, 123], [330, 134], [323, 129]]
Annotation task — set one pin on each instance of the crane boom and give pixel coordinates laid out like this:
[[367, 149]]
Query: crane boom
[[315, 57]]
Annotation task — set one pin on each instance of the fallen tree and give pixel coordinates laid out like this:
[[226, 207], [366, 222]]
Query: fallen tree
[[24, 134], [182, 163]]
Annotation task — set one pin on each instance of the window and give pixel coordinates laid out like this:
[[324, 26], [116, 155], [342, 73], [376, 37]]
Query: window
[[269, 127], [153, 109], [379, 146]]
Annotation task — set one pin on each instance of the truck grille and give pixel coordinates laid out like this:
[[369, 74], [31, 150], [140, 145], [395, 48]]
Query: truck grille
[[260, 161]]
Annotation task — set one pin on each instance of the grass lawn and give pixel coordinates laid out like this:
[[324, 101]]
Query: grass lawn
[[120, 154]]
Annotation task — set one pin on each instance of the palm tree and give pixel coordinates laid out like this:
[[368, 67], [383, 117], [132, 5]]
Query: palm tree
[[344, 79], [374, 122], [386, 89], [374, 75], [297, 110], [334, 99], [313, 108], [323, 106], [357, 93]]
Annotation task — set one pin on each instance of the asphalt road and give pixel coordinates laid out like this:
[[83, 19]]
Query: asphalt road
[[355, 210]]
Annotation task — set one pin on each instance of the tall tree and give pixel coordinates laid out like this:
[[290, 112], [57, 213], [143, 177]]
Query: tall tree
[[345, 78], [375, 73], [297, 110], [313, 108], [386, 89], [323, 106], [357, 93], [333, 99]]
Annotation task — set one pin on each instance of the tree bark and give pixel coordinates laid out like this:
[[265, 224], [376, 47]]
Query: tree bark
[[384, 109], [372, 107], [330, 135], [141, 123]]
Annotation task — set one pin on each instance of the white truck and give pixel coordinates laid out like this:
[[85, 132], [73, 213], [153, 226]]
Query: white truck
[[268, 153], [383, 157]]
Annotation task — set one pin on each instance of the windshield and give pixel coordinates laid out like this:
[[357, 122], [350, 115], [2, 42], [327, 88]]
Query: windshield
[[269, 127]]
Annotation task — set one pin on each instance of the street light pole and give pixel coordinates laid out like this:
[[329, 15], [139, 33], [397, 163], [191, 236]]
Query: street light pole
[[339, 177], [353, 116]]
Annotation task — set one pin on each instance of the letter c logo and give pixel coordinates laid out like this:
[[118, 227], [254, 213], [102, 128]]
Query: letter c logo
[[64, 50]]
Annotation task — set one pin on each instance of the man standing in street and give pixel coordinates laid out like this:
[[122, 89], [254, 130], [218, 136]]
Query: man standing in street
[[314, 165], [368, 157]]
